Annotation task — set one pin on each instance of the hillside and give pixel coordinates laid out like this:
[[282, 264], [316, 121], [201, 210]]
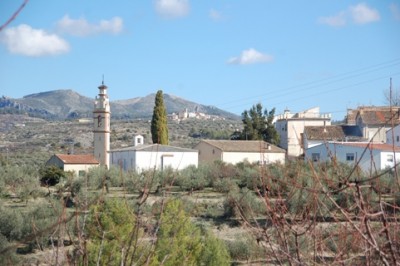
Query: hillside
[[68, 104]]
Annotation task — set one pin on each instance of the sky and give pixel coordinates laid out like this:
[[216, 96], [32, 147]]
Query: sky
[[295, 55]]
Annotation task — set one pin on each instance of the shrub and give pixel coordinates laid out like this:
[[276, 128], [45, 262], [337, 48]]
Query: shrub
[[239, 250], [250, 177], [7, 257], [109, 228], [224, 185], [244, 204], [51, 175], [178, 240], [11, 224], [166, 177], [215, 251], [189, 181], [96, 177]]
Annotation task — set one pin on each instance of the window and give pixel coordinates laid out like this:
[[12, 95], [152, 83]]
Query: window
[[350, 157], [390, 158], [397, 138], [315, 157], [81, 173]]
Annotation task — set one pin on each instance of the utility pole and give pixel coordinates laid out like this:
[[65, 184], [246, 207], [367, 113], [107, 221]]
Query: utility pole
[[392, 125]]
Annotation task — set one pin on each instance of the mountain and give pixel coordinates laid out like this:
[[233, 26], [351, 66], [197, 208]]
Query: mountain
[[68, 104]]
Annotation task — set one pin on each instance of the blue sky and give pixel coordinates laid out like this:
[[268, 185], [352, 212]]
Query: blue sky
[[230, 54]]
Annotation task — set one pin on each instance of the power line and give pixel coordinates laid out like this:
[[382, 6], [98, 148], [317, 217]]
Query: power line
[[344, 87], [314, 84]]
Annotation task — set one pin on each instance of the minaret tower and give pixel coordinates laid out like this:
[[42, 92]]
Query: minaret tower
[[101, 126]]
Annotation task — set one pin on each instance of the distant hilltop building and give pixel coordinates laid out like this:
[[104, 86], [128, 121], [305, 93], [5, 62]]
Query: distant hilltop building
[[185, 114]]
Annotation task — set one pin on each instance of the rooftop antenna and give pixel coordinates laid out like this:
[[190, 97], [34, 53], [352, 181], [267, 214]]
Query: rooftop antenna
[[102, 82]]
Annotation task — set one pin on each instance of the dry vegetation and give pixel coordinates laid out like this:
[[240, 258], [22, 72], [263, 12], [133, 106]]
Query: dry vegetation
[[294, 214], [20, 133]]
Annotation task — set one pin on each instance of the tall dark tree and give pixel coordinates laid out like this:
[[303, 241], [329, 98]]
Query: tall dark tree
[[258, 125], [159, 127]]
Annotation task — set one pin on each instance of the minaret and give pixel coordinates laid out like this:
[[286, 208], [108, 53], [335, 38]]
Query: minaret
[[101, 126]]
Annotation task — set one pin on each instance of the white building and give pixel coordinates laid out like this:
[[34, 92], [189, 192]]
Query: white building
[[235, 151], [78, 164], [315, 135], [370, 157], [374, 121], [153, 156], [290, 128], [393, 136]]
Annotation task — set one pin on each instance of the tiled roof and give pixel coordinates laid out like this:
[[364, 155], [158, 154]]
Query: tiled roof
[[379, 115], [155, 148], [332, 133], [77, 158], [244, 146], [324, 133]]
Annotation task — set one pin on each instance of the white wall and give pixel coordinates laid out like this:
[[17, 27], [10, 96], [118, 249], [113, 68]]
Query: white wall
[[143, 160], [370, 160], [78, 167], [295, 128], [253, 157], [396, 138], [311, 143], [123, 159], [175, 160]]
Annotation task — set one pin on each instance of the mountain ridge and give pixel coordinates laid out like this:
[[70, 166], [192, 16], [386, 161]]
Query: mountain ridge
[[69, 104]]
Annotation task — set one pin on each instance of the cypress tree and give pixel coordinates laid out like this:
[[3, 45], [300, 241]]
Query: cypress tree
[[159, 127]]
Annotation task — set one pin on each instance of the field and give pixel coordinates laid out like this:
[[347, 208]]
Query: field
[[294, 214]]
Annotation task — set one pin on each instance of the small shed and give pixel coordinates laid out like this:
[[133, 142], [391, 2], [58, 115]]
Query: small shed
[[77, 163]]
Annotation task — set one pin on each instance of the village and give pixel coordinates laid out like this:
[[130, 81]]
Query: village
[[232, 133], [369, 138], [254, 198]]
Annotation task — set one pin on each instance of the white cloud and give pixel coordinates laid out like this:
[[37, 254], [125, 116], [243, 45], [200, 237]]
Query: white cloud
[[362, 14], [250, 56], [395, 11], [172, 8], [214, 14], [25, 40], [334, 21], [359, 14], [81, 27]]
